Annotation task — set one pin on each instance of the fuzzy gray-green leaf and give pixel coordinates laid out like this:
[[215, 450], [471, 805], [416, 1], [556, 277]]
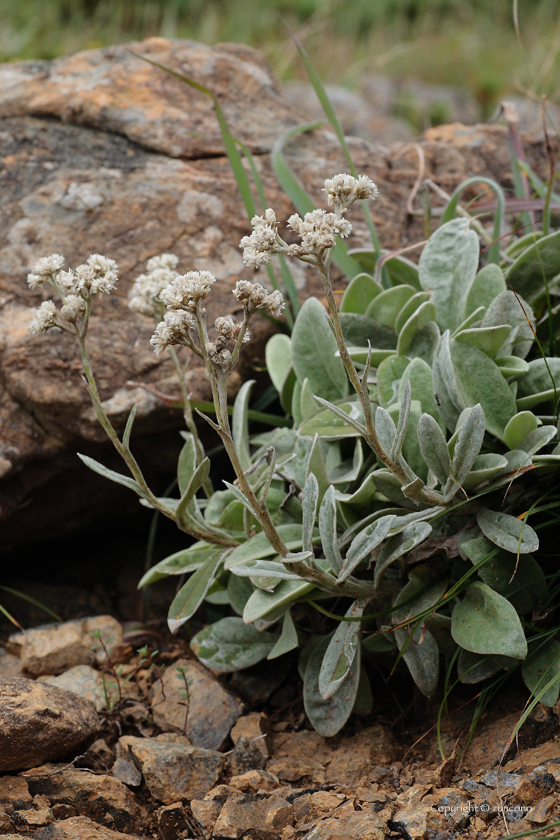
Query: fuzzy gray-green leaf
[[328, 716], [398, 545], [485, 622], [507, 531], [341, 652], [310, 500], [328, 530], [193, 592], [288, 638], [364, 543], [230, 645], [467, 447], [421, 654], [434, 447], [240, 423], [448, 267], [313, 353]]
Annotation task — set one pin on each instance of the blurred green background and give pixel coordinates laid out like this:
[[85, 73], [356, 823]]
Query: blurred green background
[[471, 44]]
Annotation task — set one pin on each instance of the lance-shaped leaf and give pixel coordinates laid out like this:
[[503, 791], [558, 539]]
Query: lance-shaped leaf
[[316, 466], [402, 424], [288, 638], [484, 468], [265, 569], [421, 654], [329, 716], [541, 670], [263, 604], [467, 447], [398, 545], [310, 500], [258, 546], [230, 645], [364, 543], [507, 531], [434, 447], [341, 652], [128, 427], [118, 478], [485, 622], [346, 413], [328, 530], [385, 428], [188, 560], [199, 477], [193, 592], [186, 464], [240, 423]]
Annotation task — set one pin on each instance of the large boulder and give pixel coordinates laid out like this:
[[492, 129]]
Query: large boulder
[[102, 152]]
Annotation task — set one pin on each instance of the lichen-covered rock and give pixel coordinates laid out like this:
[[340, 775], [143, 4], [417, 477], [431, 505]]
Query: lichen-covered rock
[[40, 723]]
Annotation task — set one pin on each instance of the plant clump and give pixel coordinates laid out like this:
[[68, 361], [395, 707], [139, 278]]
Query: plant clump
[[397, 501]]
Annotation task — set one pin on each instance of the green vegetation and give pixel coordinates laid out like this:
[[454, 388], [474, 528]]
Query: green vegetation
[[468, 43]]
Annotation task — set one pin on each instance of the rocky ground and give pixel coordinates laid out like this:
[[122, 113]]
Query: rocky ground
[[101, 737]]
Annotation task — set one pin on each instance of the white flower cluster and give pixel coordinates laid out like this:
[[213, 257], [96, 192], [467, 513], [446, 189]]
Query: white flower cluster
[[254, 296], [318, 231], [187, 290], [174, 329], [263, 242], [145, 293], [181, 298], [44, 318], [44, 270], [98, 275], [344, 190]]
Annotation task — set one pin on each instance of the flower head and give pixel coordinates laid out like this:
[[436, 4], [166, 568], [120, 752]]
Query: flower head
[[99, 275], [318, 230], [145, 293], [344, 190], [186, 290], [254, 296], [44, 318], [169, 261], [263, 242], [74, 307], [174, 329], [44, 270]]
